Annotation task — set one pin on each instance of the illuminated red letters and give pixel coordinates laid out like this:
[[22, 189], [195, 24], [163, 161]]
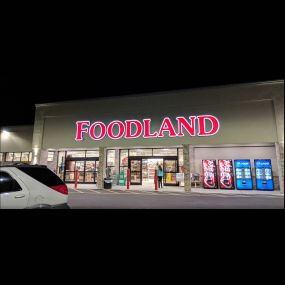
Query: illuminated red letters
[[81, 130], [92, 131], [121, 130], [138, 132], [147, 133], [190, 128], [167, 126], [204, 125]]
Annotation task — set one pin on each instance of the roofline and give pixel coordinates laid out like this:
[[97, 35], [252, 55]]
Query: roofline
[[271, 82], [16, 126]]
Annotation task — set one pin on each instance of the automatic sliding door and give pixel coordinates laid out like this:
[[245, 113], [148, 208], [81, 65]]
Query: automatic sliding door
[[170, 170], [91, 171], [136, 171]]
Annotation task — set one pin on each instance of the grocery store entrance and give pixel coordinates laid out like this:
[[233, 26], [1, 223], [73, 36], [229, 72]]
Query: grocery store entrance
[[143, 170]]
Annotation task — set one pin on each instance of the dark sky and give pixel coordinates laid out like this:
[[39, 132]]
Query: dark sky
[[20, 94]]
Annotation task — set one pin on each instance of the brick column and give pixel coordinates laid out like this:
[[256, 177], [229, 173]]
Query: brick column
[[186, 161], [102, 167]]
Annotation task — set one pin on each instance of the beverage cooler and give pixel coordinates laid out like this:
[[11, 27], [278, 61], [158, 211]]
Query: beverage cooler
[[263, 174], [209, 170], [226, 174]]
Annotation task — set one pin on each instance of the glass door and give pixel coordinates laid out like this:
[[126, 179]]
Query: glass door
[[170, 170], [135, 165], [71, 167], [91, 171]]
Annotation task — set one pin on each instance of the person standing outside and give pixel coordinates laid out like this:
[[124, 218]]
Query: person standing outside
[[160, 176]]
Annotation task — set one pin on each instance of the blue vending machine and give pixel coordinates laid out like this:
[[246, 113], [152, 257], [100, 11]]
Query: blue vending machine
[[243, 174], [263, 174]]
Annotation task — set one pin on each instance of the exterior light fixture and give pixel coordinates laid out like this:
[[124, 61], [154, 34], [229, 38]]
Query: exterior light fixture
[[5, 134]]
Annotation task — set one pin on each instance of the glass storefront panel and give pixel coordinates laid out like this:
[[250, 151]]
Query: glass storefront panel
[[9, 156], [170, 165], [180, 160], [165, 152], [50, 156], [124, 157], [69, 176], [1, 157], [17, 156], [140, 152], [111, 155], [90, 177], [61, 164], [25, 157], [75, 154], [91, 166], [92, 153]]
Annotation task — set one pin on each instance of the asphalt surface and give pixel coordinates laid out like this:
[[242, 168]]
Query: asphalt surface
[[114, 199]]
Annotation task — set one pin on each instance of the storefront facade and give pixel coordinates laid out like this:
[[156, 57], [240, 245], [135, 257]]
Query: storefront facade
[[178, 130]]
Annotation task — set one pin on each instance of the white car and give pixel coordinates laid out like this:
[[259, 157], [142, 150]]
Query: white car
[[31, 187]]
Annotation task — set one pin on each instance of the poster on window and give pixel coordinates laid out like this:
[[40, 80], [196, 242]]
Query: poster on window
[[226, 174], [263, 174], [243, 174], [209, 174]]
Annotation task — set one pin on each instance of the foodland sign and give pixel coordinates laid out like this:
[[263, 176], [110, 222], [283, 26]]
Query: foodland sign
[[132, 129]]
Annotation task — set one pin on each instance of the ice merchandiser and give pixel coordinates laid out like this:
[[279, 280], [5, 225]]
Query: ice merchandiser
[[263, 174], [243, 174], [209, 174], [226, 174]]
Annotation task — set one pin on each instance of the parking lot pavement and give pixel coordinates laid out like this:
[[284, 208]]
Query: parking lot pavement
[[135, 199]]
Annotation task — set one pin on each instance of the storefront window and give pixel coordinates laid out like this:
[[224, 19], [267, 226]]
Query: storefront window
[[165, 152], [1, 157], [17, 156], [9, 156], [50, 156], [180, 160], [124, 157], [61, 164], [30, 156], [75, 154], [140, 152], [25, 156], [111, 154], [92, 153]]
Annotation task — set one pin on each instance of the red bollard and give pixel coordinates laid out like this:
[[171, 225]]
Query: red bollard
[[155, 180], [76, 179], [128, 179]]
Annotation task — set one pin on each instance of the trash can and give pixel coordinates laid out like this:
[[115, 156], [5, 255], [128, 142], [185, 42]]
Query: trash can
[[107, 184]]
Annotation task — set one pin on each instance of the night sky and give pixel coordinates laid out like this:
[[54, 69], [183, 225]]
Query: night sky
[[19, 94]]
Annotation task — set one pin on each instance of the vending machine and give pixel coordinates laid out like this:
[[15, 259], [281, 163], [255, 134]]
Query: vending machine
[[263, 174], [243, 174], [209, 168], [226, 174]]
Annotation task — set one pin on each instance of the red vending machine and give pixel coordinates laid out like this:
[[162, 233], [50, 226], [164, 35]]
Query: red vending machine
[[209, 174], [226, 174]]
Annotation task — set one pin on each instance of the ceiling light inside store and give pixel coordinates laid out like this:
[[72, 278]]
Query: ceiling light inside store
[[5, 134]]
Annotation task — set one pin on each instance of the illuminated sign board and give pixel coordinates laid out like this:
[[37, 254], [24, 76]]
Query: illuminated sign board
[[263, 174], [132, 129], [243, 174], [209, 168], [226, 174]]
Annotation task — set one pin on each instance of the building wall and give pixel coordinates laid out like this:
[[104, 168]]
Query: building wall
[[238, 152], [246, 113], [19, 140]]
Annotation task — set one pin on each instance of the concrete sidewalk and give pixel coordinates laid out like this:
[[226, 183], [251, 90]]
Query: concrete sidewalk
[[174, 189]]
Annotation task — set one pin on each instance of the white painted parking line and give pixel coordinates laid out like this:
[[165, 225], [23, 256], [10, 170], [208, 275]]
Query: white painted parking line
[[77, 191]]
